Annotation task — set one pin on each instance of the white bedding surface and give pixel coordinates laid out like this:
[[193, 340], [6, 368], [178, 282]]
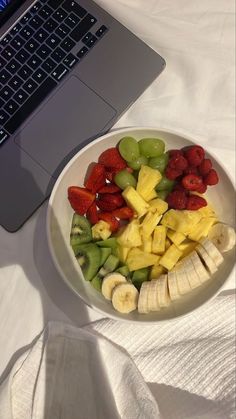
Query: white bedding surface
[[194, 95]]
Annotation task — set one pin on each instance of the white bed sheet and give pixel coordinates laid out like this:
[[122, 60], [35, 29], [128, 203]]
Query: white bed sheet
[[194, 95]]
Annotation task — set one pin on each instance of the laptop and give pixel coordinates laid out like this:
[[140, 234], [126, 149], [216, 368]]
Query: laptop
[[68, 71]]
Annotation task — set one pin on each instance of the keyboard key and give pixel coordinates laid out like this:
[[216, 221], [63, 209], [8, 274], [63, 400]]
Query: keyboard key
[[59, 15], [20, 96], [35, 7], [30, 105], [53, 41], [3, 135], [30, 86], [62, 31], [59, 72], [26, 18], [41, 35], [50, 25], [22, 56], [8, 53], [49, 65], [82, 52], [4, 76], [15, 29], [7, 38], [2, 62], [45, 12], [87, 37], [72, 20], [58, 55], [3, 117], [72, 6], [1, 102], [17, 42], [6, 93], [11, 107], [101, 31], [39, 76], [26, 32], [12, 66], [34, 62], [67, 44], [70, 60], [36, 22], [15, 82], [31, 46], [83, 27], [55, 3], [44, 51], [25, 72]]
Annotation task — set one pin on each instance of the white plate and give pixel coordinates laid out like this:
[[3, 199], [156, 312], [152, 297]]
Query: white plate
[[60, 213]]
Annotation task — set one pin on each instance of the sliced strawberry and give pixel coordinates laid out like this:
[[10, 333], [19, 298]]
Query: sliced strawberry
[[195, 155], [92, 214], [109, 202], [112, 158], [110, 219], [191, 170], [191, 182], [105, 205], [80, 199], [177, 200], [123, 213], [110, 173], [202, 188], [178, 162], [211, 178], [205, 167], [174, 153], [109, 188], [195, 202], [96, 178], [172, 174]]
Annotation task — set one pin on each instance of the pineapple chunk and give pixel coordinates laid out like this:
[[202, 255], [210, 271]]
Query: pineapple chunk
[[175, 236], [149, 223], [156, 271], [130, 236], [151, 195], [123, 252], [147, 245], [101, 230], [159, 240], [186, 247], [170, 257], [159, 205], [135, 201], [182, 221], [168, 243], [148, 179], [137, 259], [202, 228], [207, 211]]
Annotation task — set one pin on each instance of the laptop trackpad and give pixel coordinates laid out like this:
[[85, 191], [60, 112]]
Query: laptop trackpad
[[68, 121]]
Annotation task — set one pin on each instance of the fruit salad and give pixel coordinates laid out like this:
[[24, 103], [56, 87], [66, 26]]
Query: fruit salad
[[143, 231]]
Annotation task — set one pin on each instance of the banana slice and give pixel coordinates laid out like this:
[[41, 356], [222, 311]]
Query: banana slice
[[173, 286], [207, 260], [191, 273], [201, 271], [143, 298], [162, 291], [153, 304], [125, 298], [182, 282], [109, 282], [212, 251], [222, 236]]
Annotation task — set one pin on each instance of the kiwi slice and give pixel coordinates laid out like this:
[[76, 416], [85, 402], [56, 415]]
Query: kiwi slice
[[105, 252], [123, 270], [139, 277], [110, 265], [88, 257], [81, 231], [111, 242], [97, 282]]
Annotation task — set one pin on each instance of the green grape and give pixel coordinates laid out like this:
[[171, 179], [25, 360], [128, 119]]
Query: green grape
[[151, 147], [162, 194], [129, 148], [124, 179], [159, 162], [165, 184], [136, 164]]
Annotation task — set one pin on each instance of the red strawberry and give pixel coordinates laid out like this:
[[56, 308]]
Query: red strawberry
[[80, 199], [109, 202], [105, 205], [177, 200], [179, 187], [112, 158], [195, 155], [172, 173], [174, 153], [92, 214], [123, 213], [191, 182], [110, 219], [202, 188], [109, 188], [195, 202], [178, 162], [205, 167], [96, 178], [191, 170], [211, 178]]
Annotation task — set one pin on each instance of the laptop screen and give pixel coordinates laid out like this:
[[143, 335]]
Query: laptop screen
[[7, 8]]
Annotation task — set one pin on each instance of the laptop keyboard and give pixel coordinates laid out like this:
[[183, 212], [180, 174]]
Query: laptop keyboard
[[38, 52]]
